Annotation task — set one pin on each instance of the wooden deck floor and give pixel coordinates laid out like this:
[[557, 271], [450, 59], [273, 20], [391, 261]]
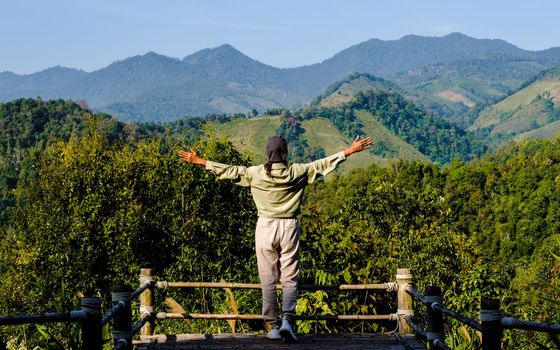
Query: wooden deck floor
[[306, 342]]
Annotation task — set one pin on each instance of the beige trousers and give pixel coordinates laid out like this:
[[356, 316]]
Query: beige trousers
[[277, 247]]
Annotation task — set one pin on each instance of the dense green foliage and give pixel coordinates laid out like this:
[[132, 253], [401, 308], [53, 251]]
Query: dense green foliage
[[29, 125], [91, 207], [97, 211]]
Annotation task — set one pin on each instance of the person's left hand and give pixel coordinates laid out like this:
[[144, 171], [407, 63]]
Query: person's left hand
[[191, 157]]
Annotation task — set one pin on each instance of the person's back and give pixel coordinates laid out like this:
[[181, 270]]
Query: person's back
[[279, 194]]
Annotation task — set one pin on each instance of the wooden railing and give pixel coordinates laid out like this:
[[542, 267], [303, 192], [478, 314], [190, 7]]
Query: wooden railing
[[491, 325], [89, 316], [92, 319]]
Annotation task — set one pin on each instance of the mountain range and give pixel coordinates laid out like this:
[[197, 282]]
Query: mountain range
[[449, 75]]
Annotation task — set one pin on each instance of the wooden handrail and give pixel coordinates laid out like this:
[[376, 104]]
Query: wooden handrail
[[89, 316], [92, 319], [492, 324], [165, 315], [388, 286]]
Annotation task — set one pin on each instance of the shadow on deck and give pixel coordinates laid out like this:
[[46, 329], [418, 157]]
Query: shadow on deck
[[345, 341]]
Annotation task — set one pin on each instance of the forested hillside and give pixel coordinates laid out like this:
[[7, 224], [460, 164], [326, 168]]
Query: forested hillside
[[95, 199], [400, 130], [459, 89], [28, 126], [534, 106]]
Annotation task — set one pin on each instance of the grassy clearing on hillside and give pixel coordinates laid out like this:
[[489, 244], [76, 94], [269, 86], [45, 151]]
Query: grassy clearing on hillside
[[347, 92], [478, 88], [248, 135], [378, 132], [546, 132], [526, 96], [527, 118], [322, 133], [337, 98], [454, 96], [521, 109]]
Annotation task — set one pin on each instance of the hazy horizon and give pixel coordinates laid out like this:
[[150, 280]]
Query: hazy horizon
[[91, 34]]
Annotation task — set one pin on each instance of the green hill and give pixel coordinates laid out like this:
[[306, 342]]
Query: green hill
[[321, 133], [448, 89], [446, 103], [248, 135], [546, 132], [29, 125], [399, 129], [345, 91], [385, 138], [534, 106]]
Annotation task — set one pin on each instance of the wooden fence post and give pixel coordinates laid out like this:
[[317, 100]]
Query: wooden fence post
[[92, 338], [490, 321], [122, 322], [147, 301], [435, 330], [405, 301]]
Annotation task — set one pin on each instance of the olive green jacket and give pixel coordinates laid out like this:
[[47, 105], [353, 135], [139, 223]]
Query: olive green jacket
[[279, 196]]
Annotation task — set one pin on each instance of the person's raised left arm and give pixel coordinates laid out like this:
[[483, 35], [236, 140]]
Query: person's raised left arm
[[237, 174]]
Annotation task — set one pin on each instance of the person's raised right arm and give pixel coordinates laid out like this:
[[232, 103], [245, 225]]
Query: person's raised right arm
[[358, 146], [324, 166]]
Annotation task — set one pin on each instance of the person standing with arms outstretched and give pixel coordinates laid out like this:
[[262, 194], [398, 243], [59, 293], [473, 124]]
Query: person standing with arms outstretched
[[277, 189]]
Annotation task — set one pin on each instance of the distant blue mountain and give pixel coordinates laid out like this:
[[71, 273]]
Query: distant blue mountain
[[222, 79]]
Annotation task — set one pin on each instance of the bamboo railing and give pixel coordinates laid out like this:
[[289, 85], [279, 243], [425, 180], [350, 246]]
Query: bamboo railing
[[147, 301], [92, 320]]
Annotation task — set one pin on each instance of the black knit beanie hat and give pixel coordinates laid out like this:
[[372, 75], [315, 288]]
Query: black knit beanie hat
[[276, 149]]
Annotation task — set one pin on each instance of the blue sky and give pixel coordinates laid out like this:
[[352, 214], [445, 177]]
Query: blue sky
[[88, 34]]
